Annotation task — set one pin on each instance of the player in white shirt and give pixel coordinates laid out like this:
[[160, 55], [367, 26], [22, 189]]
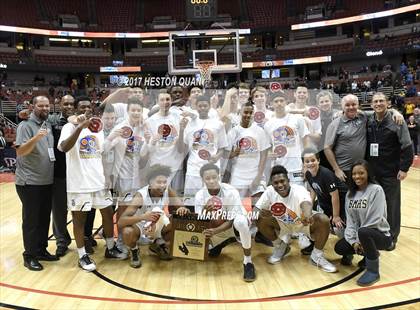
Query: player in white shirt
[[288, 136], [230, 111], [166, 129], [206, 141], [224, 198], [249, 147], [86, 189], [119, 100], [261, 114], [145, 215], [126, 142], [243, 94], [287, 208], [311, 113]]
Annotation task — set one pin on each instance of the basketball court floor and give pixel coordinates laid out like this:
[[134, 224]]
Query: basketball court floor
[[213, 284]]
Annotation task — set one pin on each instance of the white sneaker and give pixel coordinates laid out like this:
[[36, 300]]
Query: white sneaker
[[304, 241], [278, 253], [86, 263], [322, 262]]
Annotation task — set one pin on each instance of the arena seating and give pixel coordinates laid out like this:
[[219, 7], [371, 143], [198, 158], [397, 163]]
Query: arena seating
[[116, 16], [73, 61], [9, 58], [19, 13], [74, 7], [161, 8]]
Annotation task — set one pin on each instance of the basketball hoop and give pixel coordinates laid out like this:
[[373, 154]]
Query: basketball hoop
[[205, 67]]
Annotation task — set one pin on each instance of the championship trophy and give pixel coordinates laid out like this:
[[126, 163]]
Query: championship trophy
[[188, 240]]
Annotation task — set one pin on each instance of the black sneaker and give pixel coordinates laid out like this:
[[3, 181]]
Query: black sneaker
[[259, 238], [346, 260], [92, 241], [161, 251], [61, 250], [308, 249], [362, 263], [115, 253], [249, 272], [86, 263], [135, 261], [215, 252], [46, 256], [88, 246], [391, 247]]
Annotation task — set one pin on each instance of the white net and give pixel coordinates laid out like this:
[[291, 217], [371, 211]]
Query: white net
[[205, 67]]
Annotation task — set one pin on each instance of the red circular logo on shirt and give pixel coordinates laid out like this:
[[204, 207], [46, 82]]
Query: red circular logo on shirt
[[127, 132], [95, 124], [259, 117], [313, 113], [245, 143], [216, 202], [278, 209], [280, 150], [204, 154], [164, 130], [275, 87]]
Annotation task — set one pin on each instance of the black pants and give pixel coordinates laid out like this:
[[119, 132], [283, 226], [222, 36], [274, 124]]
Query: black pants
[[371, 240], [36, 211], [392, 189], [328, 210], [59, 213], [415, 140]]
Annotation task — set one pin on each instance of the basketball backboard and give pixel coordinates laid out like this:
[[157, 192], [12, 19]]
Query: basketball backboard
[[187, 48]]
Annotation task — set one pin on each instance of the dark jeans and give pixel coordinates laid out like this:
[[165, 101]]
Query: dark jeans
[[36, 211], [392, 189], [59, 213], [371, 240], [415, 140]]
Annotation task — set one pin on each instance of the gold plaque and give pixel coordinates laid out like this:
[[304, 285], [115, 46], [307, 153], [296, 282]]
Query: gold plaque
[[188, 240]]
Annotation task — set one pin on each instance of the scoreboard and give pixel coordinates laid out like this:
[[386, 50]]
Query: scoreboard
[[201, 10]]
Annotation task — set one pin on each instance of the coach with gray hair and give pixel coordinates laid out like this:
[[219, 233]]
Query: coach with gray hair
[[390, 155]]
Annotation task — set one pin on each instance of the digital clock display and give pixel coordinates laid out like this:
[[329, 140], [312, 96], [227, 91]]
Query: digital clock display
[[201, 10]]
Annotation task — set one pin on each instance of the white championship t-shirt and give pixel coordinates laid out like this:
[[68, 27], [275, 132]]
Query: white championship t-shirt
[[286, 135], [284, 209], [203, 137], [228, 197], [252, 141], [126, 151], [85, 173], [165, 151]]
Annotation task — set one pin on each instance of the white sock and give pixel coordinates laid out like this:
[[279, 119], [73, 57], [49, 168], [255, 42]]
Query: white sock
[[277, 242], [316, 253], [135, 248], [247, 259], [81, 252], [109, 243]]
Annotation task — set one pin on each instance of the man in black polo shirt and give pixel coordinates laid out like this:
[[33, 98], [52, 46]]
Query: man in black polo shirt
[[59, 202], [390, 155]]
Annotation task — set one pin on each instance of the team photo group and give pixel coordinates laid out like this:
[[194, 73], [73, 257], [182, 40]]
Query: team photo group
[[269, 166]]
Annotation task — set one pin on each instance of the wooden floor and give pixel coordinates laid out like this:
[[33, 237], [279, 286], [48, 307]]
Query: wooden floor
[[179, 284]]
